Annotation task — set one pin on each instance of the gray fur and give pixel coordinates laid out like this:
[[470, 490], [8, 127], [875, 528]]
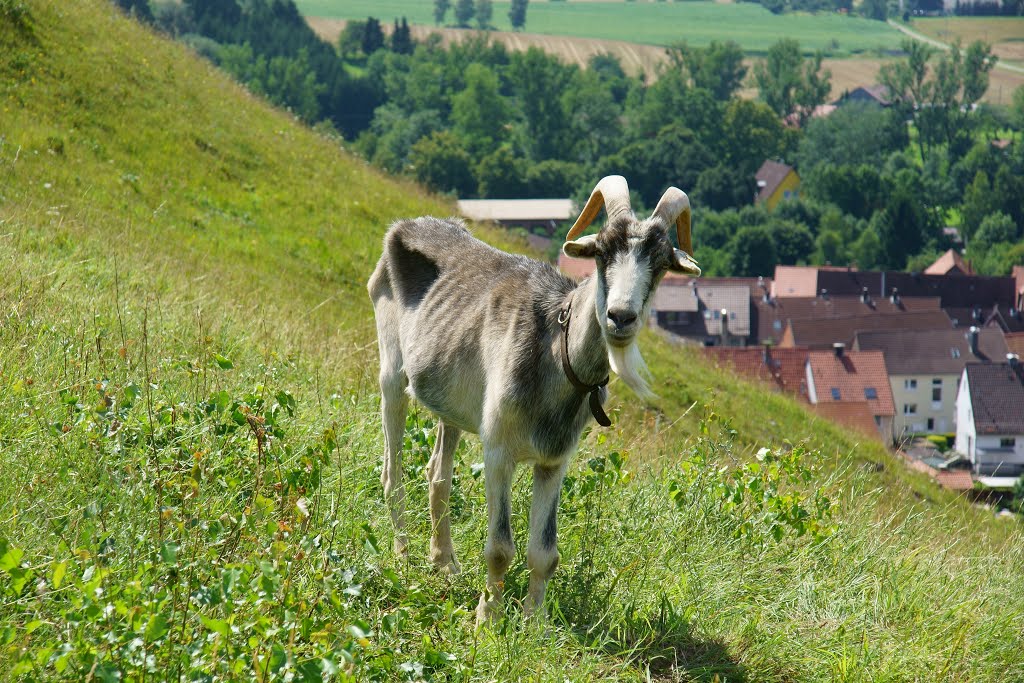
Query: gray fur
[[473, 334]]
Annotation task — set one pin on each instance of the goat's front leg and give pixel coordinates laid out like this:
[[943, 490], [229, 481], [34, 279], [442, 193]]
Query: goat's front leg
[[440, 470], [500, 548], [542, 552]]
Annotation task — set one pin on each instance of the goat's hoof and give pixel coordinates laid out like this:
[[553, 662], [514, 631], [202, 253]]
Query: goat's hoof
[[447, 566], [487, 612]]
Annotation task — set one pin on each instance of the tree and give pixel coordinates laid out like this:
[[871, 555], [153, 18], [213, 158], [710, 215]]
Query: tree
[[464, 10], [479, 112], [856, 133], [440, 163], [373, 36], [137, 8], [941, 96], [875, 9], [440, 10], [517, 14], [867, 250], [789, 84], [484, 12], [350, 40], [752, 252], [535, 76], [717, 68], [401, 38], [979, 202], [995, 228], [501, 174], [724, 186], [1017, 108]]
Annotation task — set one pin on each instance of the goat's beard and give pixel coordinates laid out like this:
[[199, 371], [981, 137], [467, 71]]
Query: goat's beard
[[629, 365]]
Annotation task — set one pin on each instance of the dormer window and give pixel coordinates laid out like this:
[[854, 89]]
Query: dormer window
[[835, 394]]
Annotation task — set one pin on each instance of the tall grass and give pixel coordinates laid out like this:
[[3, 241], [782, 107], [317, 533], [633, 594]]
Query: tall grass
[[190, 445]]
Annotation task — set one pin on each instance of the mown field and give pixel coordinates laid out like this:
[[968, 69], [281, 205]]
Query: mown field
[[1005, 34], [698, 23], [847, 73], [190, 448]]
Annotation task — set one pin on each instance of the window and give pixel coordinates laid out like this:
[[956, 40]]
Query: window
[[870, 393], [931, 424], [910, 384], [1008, 442], [910, 409], [955, 352], [777, 325], [937, 389], [835, 394]]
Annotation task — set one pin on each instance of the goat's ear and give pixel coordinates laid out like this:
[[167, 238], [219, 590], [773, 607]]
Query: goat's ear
[[683, 263], [584, 247]]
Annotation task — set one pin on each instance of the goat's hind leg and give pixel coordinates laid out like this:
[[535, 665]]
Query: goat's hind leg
[[440, 470], [393, 406]]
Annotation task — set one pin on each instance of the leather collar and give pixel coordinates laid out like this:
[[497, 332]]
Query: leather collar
[[593, 389]]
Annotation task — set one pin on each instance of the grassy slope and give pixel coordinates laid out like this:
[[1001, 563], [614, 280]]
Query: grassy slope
[[698, 23], [1005, 34], [174, 254]]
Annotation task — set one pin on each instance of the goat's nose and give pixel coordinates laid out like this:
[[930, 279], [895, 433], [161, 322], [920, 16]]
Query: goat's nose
[[621, 317]]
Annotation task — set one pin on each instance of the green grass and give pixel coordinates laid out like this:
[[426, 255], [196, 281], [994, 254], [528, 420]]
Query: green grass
[[190, 446], [698, 23]]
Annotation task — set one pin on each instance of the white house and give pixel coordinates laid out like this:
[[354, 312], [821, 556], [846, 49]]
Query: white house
[[990, 419]]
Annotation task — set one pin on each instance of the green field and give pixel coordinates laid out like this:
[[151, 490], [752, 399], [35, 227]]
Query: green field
[[698, 23], [190, 446]]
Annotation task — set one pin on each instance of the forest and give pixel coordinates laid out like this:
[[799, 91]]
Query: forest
[[879, 184]]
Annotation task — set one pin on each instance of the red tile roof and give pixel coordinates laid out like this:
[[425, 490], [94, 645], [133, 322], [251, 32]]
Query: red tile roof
[[785, 368], [955, 480], [950, 263], [855, 415], [852, 374]]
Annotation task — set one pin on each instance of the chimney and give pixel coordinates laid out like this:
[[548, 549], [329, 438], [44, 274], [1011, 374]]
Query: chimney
[[865, 298], [895, 297], [972, 340], [1014, 361], [766, 354], [725, 327], [839, 348], [824, 294]]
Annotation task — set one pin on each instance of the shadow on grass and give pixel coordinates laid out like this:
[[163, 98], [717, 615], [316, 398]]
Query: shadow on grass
[[663, 644]]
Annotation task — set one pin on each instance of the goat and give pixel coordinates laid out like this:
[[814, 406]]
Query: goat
[[507, 347]]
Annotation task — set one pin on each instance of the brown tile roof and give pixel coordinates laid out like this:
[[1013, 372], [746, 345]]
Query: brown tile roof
[[938, 352], [824, 332], [962, 290], [769, 177], [950, 263], [706, 301], [852, 415], [1015, 343], [852, 374], [773, 315], [785, 368], [997, 397]]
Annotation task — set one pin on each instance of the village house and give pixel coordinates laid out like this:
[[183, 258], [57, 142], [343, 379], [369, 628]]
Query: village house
[[775, 182], [990, 421], [850, 377], [924, 370]]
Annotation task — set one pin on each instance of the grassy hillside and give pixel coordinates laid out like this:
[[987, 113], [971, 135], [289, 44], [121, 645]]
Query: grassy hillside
[[190, 448], [1005, 34], [658, 23]]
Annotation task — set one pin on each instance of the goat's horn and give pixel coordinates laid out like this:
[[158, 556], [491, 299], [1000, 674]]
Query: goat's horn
[[674, 207], [612, 192]]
